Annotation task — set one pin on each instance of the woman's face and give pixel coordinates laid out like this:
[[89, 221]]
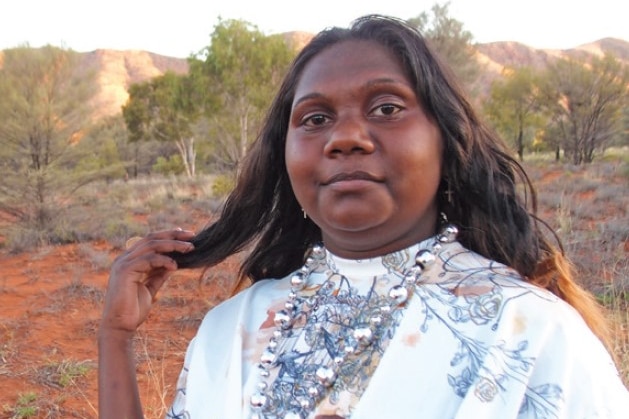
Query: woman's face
[[363, 158]]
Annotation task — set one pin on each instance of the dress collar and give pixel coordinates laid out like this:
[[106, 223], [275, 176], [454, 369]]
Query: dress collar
[[392, 263]]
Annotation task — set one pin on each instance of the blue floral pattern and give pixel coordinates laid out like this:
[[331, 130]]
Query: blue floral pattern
[[477, 296], [473, 338]]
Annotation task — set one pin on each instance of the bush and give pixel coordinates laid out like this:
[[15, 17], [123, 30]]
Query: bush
[[223, 185]]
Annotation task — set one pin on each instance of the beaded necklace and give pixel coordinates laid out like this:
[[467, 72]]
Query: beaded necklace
[[332, 334]]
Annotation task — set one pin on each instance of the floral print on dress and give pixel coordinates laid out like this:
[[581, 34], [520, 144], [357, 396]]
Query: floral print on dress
[[474, 338], [477, 296]]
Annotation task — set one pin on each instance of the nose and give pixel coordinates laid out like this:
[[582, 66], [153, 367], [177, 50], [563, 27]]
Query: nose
[[349, 135]]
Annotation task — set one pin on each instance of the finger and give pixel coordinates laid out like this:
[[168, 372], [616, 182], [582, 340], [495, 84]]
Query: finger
[[176, 234], [159, 246], [155, 283], [152, 265], [131, 242]]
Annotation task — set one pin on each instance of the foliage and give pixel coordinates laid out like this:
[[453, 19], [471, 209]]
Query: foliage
[[513, 107], [221, 101], [450, 40], [26, 406], [43, 97], [165, 108], [238, 72], [586, 101], [63, 373], [172, 165], [223, 185], [103, 147]]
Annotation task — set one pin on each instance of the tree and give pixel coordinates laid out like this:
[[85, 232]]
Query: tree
[[450, 40], [586, 101], [514, 107], [165, 108], [44, 114], [103, 148], [239, 72]]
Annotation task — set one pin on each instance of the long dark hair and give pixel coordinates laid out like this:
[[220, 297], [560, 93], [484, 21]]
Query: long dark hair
[[478, 191]]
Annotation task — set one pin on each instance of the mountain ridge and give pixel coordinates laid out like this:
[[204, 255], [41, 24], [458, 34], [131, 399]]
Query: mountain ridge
[[116, 70]]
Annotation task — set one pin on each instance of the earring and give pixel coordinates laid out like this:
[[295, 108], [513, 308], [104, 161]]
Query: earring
[[305, 215], [448, 193]]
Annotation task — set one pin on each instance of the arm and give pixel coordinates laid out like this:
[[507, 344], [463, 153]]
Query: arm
[[118, 393], [136, 277]]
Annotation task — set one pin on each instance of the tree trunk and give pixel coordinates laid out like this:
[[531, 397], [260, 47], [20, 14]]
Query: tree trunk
[[520, 145], [188, 155]]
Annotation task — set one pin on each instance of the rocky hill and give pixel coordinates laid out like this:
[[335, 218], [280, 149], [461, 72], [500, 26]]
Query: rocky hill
[[115, 70], [500, 54], [495, 56]]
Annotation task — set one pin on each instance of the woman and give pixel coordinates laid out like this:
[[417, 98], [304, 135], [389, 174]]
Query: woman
[[414, 282]]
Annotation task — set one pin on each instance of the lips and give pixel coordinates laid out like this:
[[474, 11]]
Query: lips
[[349, 176]]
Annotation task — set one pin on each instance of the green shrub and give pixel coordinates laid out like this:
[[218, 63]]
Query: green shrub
[[223, 185], [172, 165]]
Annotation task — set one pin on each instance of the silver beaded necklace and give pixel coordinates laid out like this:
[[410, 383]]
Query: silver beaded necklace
[[323, 338]]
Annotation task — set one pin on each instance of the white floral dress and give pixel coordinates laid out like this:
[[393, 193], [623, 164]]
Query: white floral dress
[[474, 341]]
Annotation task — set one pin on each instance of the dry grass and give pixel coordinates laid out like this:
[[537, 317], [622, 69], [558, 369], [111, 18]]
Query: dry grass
[[588, 207]]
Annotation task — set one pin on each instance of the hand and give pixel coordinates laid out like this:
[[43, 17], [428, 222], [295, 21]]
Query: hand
[[137, 275]]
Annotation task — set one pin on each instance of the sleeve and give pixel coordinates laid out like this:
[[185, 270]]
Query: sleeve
[[178, 408], [585, 380]]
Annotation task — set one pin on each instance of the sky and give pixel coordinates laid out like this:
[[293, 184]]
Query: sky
[[179, 28]]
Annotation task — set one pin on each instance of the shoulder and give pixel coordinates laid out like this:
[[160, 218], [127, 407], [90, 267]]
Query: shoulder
[[470, 275], [538, 337], [487, 292], [251, 301]]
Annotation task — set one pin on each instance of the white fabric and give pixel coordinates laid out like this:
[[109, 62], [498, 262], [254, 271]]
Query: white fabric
[[474, 342]]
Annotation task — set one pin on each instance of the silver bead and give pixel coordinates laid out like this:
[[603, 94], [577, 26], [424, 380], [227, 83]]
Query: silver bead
[[272, 345], [262, 385], [267, 357], [309, 262], [425, 258], [298, 280], [338, 360], [282, 319], [318, 251], [398, 294], [436, 247], [363, 336], [326, 376], [277, 334], [258, 400], [449, 233]]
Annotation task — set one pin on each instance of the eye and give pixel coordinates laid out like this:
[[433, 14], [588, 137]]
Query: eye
[[387, 109], [315, 120]]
